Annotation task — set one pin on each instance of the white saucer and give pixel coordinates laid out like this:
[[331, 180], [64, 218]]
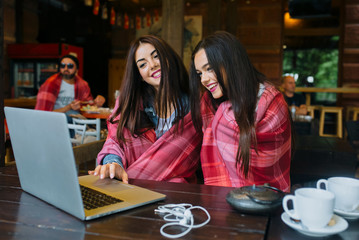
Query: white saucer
[[348, 215], [340, 225]]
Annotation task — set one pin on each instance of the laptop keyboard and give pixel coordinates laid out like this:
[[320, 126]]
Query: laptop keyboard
[[94, 199]]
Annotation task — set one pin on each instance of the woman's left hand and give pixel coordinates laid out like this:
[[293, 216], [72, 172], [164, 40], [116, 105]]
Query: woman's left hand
[[110, 170]]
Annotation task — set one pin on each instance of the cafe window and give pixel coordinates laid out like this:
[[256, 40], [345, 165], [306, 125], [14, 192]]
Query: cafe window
[[311, 45], [314, 67]]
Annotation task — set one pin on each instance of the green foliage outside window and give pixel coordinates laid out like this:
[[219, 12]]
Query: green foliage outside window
[[322, 64]]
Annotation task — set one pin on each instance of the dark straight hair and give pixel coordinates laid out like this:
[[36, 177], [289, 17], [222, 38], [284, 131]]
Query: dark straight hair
[[134, 91], [239, 81]]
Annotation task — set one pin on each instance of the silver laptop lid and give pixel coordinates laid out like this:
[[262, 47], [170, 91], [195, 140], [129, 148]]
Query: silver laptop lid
[[44, 157]]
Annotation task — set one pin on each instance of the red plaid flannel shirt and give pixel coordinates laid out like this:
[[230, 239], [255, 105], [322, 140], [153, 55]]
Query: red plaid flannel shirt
[[220, 144], [49, 91], [172, 157]]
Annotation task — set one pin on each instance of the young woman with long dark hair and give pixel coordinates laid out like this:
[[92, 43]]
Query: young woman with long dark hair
[[151, 134], [244, 119]]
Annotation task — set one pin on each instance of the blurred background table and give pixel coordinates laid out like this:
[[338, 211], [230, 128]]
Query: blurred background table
[[20, 102], [101, 114], [305, 125]]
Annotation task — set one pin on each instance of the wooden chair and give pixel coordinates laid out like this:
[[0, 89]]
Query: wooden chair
[[354, 110], [339, 112], [88, 122], [79, 131], [353, 132], [311, 110], [352, 128]]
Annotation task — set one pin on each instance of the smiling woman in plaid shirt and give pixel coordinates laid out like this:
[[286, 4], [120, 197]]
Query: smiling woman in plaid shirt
[[151, 135], [244, 119]]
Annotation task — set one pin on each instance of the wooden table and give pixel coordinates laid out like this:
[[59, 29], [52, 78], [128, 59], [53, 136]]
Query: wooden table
[[305, 125], [309, 90], [20, 102], [26, 217], [23, 216], [100, 115], [318, 157], [278, 230]]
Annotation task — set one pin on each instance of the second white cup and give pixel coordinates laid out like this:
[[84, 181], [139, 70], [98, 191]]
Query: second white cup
[[313, 207], [346, 191]]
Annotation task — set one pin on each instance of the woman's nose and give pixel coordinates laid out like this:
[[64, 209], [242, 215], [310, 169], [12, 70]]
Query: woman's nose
[[204, 78], [153, 63]]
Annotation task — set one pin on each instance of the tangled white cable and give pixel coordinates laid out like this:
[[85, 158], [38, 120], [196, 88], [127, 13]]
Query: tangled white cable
[[181, 215]]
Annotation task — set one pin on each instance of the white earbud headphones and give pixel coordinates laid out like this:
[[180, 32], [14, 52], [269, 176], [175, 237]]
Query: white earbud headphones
[[180, 214]]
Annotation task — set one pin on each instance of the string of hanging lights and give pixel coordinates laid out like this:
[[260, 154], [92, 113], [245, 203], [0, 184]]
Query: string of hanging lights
[[119, 17]]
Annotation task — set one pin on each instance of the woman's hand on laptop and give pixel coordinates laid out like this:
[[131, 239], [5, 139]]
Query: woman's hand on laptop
[[111, 170]]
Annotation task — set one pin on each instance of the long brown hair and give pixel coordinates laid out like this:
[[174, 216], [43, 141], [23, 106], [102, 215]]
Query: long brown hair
[[229, 60], [134, 92]]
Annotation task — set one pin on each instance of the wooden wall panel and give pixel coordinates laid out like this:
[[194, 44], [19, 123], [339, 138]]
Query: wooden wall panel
[[352, 13], [248, 16], [231, 16], [351, 37], [271, 15], [173, 24], [260, 29], [270, 69], [267, 63], [351, 71], [9, 18], [30, 21], [351, 55], [9, 37], [254, 35], [214, 10], [349, 59], [201, 9], [116, 69]]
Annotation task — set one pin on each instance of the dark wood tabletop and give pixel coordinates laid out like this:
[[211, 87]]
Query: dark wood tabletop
[[23, 216], [322, 157]]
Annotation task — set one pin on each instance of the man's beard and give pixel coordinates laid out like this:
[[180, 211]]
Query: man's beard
[[67, 76]]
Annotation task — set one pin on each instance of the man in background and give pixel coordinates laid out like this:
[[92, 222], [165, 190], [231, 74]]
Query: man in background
[[65, 90], [293, 99]]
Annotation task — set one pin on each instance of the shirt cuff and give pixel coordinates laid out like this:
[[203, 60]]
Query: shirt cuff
[[112, 158]]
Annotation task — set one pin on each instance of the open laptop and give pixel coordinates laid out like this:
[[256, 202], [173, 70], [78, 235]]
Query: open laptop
[[47, 168]]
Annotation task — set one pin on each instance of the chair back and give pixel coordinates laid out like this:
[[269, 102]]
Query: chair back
[[79, 130], [88, 122], [353, 131]]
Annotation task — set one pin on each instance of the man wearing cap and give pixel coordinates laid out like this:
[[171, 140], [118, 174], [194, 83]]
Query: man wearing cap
[[65, 90]]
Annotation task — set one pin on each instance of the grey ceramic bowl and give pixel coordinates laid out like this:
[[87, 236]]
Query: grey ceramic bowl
[[262, 200]]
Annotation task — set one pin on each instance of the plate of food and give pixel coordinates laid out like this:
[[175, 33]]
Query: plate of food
[[90, 108]]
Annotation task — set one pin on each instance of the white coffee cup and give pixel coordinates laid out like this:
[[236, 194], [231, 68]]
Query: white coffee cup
[[312, 206], [346, 191]]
